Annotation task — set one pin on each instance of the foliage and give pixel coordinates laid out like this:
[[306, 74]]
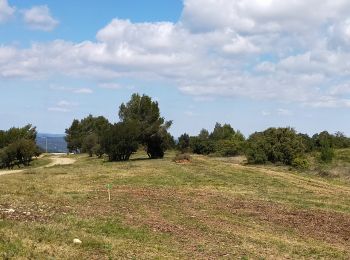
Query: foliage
[[152, 127], [222, 132], [184, 143], [224, 141], [120, 141], [18, 146], [327, 154], [301, 163], [276, 145], [80, 133], [14, 134], [90, 143]]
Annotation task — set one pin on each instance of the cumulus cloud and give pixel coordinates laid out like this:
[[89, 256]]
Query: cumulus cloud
[[39, 18], [6, 11], [292, 51]]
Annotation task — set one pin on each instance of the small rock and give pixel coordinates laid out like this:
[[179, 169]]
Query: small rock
[[10, 211], [77, 241]]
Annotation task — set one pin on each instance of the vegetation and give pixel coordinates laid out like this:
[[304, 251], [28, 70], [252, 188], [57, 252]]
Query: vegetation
[[85, 135], [141, 124], [152, 127], [223, 141], [18, 147], [209, 208], [120, 141], [184, 206], [276, 145]]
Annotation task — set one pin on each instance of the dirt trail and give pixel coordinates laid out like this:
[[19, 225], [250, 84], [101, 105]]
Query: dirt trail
[[55, 160]]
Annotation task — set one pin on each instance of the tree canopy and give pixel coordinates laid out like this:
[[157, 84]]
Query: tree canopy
[[152, 127]]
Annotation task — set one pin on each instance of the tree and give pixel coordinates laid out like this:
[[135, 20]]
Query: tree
[[220, 132], [184, 143], [120, 141], [17, 146], [77, 133], [90, 143], [152, 127], [202, 144], [14, 134]]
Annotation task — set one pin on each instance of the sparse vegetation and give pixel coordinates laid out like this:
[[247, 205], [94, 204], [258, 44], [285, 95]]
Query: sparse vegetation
[[209, 208]]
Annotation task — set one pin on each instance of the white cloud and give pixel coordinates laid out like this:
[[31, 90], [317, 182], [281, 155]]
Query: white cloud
[[62, 106], [110, 85], [39, 18], [284, 112], [291, 51], [83, 91], [6, 11]]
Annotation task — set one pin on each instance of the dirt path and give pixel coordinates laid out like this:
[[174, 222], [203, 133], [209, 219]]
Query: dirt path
[[59, 161], [55, 160]]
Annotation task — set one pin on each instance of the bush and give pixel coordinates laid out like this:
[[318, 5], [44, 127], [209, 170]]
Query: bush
[[301, 163], [202, 146], [327, 154], [228, 148], [276, 145], [120, 141]]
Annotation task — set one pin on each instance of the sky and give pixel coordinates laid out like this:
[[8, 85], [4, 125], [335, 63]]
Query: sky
[[250, 63]]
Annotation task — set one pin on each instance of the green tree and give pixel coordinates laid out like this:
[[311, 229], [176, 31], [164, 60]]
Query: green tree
[[222, 132], [121, 140], [152, 127], [184, 143], [77, 134], [89, 143]]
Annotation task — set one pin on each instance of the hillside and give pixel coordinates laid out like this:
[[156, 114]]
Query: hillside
[[207, 209]]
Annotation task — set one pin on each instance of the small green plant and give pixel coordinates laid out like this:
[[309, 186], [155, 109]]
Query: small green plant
[[109, 187], [301, 164]]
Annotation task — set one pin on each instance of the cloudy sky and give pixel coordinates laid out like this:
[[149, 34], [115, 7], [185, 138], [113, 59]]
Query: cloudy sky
[[250, 63]]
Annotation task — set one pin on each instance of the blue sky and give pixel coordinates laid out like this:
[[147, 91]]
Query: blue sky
[[253, 64]]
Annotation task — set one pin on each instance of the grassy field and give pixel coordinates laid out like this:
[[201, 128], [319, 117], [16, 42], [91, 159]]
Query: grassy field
[[207, 209]]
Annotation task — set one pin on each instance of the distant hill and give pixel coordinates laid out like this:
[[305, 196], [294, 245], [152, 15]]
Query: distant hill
[[55, 142]]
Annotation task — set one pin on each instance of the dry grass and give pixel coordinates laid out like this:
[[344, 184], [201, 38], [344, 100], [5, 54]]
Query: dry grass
[[207, 209]]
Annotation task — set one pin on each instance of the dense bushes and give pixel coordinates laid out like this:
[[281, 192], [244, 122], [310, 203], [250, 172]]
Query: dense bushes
[[276, 145], [223, 141], [18, 147]]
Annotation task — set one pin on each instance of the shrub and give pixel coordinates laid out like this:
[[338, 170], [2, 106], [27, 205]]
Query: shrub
[[120, 141], [276, 145], [327, 154], [202, 146], [301, 163]]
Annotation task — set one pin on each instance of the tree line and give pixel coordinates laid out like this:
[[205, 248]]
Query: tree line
[[140, 124], [274, 145], [18, 147]]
